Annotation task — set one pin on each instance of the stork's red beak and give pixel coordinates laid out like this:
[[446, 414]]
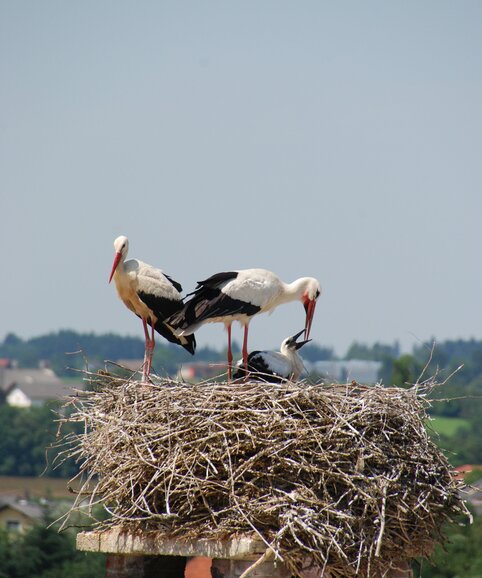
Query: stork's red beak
[[117, 259], [310, 312]]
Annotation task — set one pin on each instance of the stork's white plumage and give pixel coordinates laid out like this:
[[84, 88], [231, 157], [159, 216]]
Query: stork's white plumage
[[151, 295], [274, 366], [238, 296]]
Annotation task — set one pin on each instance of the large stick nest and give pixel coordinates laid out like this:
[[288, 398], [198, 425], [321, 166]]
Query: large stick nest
[[343, 475]]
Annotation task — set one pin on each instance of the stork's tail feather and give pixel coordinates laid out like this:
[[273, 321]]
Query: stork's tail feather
[[186, 341], [176, 321], [189, 343]]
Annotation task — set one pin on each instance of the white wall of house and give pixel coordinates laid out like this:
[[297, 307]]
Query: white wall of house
[[18, 399]]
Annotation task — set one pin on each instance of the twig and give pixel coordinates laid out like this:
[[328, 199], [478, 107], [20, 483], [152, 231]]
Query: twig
[[268, 555]]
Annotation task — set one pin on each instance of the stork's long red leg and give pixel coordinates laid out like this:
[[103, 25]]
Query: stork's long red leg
[[230, 353], [146, 366], [245, 347], [152, 344]]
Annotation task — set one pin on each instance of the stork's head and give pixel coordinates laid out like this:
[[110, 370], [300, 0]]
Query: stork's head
[[311, 292], [290, 343], [121, 246]]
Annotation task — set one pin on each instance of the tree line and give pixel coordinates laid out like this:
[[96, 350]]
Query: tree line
[[66, 350]]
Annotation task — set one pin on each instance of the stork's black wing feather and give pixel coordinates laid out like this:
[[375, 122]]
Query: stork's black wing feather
[[163, 308], [214, 281], [174, 283], [258, 370], [160, 306], [208, 303]]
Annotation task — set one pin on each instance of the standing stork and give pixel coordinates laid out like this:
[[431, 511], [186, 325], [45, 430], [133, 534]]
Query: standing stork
[[274, 366], [151, 295], [238, 296]]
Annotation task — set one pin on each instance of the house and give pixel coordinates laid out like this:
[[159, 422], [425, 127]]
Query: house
[[18, 514], [360, 370], [472, 493], [30, 386], [201, 370], [462, 471]]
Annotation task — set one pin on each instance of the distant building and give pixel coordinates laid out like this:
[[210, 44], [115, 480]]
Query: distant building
[[360, 370], [462, 471], [473, 495], [18, 515], [201, 370], [30, 386], [366, 372]]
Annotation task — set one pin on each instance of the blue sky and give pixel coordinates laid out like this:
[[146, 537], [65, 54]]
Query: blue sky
[[340, 140]]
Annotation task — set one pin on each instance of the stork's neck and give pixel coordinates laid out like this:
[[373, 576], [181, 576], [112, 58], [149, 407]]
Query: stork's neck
[[294, 291], [294, 359], [297, 365]]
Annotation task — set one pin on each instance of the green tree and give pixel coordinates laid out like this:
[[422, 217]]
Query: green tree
[[375, 352], [5, 555], [26, 434], [44, 553], [83, 565], [460, 558], [314, 352], [41, 549], [465, 446], [406, 371]]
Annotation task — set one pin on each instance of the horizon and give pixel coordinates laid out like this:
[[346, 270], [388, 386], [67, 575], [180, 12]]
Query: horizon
[[429, 344]]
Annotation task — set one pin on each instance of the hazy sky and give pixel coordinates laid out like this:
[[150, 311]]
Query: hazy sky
[[340, 140]]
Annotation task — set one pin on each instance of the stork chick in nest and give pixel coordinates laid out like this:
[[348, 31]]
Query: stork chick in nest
[[274, 366]]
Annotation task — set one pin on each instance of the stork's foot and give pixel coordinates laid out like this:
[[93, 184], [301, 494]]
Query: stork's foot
[[146, 369]]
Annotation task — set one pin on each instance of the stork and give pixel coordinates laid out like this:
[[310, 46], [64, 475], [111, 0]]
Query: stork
[[151, 295], [274, 366], [238, 296]]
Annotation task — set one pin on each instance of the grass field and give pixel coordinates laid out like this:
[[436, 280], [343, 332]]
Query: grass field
[[448, 426], [54, 488]]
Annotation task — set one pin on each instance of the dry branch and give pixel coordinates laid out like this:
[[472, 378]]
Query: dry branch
[[343, 475]]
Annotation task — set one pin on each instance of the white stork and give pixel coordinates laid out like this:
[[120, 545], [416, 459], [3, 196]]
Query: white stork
[[238, 296], [274, 366], [151, 295]]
